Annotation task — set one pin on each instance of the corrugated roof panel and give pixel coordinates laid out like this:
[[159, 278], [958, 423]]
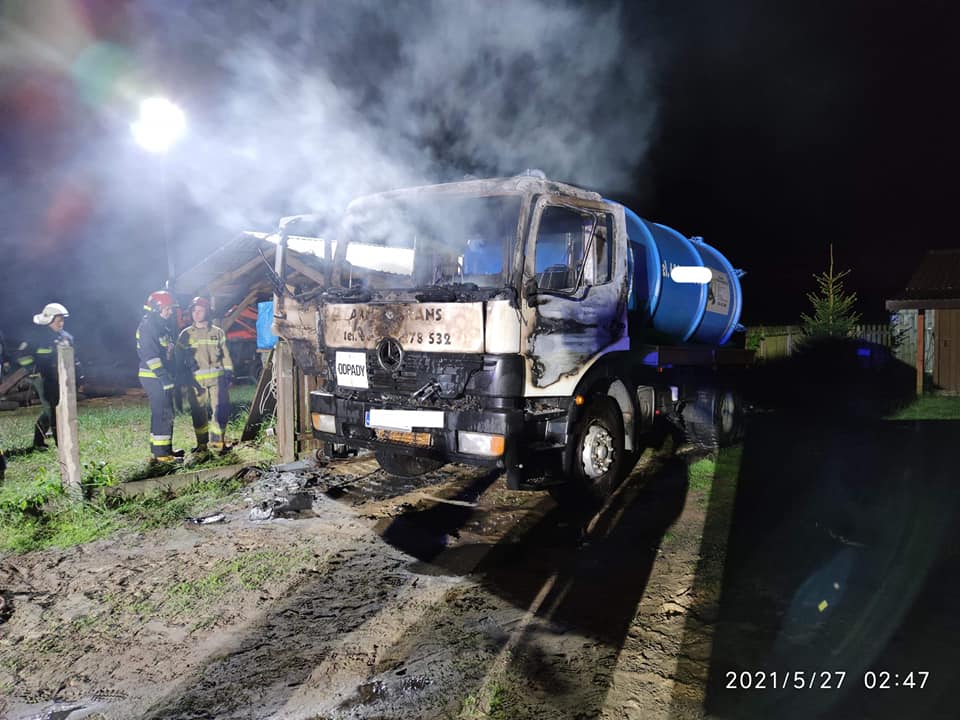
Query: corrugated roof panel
[[232, 256], [937, 276], [934, 284]]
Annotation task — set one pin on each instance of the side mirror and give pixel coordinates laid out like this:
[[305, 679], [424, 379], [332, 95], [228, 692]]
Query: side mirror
[[532, 290]]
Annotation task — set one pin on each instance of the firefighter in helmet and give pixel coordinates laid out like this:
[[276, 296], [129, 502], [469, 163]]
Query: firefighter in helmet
[[155, 345], [39, 354], [205, 370]]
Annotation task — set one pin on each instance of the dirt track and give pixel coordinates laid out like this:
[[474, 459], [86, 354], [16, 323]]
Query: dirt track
[[454, 597]]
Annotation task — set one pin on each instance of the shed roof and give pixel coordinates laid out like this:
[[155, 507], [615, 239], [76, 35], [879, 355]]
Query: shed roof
[[934, 284], [236, 268]]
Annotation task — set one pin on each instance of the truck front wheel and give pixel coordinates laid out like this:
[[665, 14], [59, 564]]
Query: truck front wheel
[[594, 458], [405, 466]]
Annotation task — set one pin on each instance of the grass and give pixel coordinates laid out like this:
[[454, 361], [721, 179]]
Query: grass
[[200, 597], [930, 407], [63, 523], [488, 703], [113, 432], [114, 440], [702, 474]]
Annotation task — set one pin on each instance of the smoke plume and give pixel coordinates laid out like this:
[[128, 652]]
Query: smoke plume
[[299, 107]]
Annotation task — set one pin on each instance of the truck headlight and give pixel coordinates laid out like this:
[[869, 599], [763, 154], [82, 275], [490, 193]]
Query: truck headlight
[[324, 423], [475, 443]]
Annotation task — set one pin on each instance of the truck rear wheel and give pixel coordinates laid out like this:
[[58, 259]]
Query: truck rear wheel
[[405, 466], [714, 419], [594, 458], [729, 417]]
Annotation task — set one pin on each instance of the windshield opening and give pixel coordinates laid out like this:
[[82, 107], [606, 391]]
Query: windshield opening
[[408, 243]]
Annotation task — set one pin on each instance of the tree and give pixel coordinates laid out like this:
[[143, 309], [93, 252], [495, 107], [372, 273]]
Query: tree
[[833, 314]]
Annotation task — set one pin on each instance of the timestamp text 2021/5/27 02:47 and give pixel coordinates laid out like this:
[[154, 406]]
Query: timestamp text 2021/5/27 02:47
[[822, 679]]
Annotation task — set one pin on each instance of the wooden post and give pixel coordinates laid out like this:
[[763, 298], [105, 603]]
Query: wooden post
[[264, 400], [68, 449], [305, 384], [921, 331], [286, 402]]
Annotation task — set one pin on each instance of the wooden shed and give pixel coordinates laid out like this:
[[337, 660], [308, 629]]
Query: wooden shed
[[928, 311]]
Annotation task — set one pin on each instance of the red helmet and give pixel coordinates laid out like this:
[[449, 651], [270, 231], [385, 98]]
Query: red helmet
[[201, 301], [159, 300]]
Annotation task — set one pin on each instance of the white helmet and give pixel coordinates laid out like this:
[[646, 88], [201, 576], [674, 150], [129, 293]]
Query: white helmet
[[50, 311]]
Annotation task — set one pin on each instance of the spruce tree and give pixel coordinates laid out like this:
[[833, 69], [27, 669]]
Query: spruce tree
[[833, 314]]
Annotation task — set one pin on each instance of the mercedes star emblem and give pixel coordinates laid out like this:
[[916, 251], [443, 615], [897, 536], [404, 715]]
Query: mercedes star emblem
[[389, 354]]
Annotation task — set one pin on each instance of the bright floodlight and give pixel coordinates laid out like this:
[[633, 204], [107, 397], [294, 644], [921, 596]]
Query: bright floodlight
[[160, 125]]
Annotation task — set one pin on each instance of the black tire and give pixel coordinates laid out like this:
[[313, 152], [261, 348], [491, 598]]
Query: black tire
[[728, 417], [592, 476], [714, 419], [406, 466]]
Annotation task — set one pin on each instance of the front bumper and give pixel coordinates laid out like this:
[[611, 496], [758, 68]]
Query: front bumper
[[350, 423], [532, 442]]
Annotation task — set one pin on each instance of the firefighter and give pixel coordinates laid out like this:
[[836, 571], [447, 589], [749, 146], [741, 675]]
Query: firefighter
[[205, 370], [155, 347], [39, 353]]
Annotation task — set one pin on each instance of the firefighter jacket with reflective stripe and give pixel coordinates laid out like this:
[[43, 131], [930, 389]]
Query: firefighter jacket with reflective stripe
[[39, 353], [155, 348], [203, 354]]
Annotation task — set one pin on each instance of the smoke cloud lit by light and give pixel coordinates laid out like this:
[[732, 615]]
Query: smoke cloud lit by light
[[294, 107], [307, 105]]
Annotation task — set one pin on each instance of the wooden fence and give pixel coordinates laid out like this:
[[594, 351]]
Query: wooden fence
[[777, 341]]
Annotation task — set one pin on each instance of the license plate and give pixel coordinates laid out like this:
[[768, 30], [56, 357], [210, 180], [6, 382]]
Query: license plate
[[419, 439], [403, 419], [352, 369]]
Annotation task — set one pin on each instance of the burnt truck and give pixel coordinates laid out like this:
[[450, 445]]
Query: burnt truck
[[517, 323]]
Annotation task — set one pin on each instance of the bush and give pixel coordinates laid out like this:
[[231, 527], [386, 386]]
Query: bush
[[835, 376], [28, 498]]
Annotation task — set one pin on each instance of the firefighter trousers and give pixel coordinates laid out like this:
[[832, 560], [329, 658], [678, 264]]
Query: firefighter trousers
[[161, 417], [210, 410], [49, 396]]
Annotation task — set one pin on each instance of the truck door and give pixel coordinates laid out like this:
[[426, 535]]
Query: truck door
[[574, 293]]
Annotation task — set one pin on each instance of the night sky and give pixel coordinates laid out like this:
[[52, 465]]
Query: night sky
[[771, 129]]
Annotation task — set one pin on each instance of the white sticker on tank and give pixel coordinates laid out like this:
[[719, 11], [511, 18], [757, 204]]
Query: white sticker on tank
[[718, 294], [691, 274], [351, 369]]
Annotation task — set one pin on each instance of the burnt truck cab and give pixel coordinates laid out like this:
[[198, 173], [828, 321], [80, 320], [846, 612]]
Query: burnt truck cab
[[483, 322]]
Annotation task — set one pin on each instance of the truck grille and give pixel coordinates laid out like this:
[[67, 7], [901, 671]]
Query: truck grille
[[449, 372]]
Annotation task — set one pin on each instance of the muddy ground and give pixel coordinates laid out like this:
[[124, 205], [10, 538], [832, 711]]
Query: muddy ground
[[813, 548]]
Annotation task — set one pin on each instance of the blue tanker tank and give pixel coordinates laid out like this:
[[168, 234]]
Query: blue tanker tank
[[674, 312]]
